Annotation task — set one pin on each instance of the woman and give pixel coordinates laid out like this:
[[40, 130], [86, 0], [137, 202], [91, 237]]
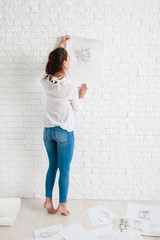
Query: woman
[[58, 134]]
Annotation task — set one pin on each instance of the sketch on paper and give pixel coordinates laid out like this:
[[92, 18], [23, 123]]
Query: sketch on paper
[[82, 55], [103, 215], [138, 225], [49, 233], [146, 218], [100, 215], [144, 214], [86, 60], [122, 227]]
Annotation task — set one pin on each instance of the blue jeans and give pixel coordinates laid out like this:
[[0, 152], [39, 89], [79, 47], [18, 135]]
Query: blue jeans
[[59, 144]]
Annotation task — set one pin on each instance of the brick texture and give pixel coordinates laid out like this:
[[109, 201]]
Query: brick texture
[[117, 135]]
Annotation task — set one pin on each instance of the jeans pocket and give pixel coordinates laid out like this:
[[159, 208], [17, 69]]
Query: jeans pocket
[[61, 135]]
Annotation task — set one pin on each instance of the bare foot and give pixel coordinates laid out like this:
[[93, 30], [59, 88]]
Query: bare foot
[[49, 206], [63, 209]]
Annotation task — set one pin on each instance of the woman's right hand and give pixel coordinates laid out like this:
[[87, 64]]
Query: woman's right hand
[[63, 41], [82, 90]]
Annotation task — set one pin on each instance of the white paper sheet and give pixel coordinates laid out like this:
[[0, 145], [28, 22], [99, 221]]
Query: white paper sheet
[[86, 60], [100, 215], [105, 233], [74, 232], [100, 233], [146, 218], [9, 208], [48, 233]]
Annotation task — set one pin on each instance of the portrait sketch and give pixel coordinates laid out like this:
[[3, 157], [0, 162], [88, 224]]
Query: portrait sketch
[[86, 61]]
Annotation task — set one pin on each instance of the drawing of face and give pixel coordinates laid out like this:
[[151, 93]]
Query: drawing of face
[[67, 63]]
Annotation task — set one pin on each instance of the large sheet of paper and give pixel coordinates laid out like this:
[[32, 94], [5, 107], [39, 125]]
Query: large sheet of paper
[[100, 215], [48, 233], [86, 61], [9, 208], [146, 218], [74, 232]]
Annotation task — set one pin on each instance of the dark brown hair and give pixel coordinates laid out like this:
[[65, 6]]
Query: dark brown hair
[[56, 57]]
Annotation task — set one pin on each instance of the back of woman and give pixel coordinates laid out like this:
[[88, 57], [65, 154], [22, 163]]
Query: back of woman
[[63, 99]]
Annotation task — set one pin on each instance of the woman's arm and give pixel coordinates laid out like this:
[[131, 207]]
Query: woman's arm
[[77, 97], [63, 41]]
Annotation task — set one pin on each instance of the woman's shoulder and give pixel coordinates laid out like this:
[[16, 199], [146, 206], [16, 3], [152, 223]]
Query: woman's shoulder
[[46, 80]]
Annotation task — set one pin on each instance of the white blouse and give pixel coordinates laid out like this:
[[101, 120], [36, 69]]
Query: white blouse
[[62, 100]]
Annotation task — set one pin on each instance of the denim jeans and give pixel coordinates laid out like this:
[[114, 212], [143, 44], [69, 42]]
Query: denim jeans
[[59, 144]]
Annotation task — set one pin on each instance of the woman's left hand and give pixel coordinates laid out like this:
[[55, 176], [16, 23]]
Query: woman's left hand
[[64, 40]]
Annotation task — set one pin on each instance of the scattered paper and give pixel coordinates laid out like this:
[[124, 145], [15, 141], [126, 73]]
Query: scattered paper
[[74, 231], [48, 233], [146, 218], [140, 220], [122, 227], [100, 215]]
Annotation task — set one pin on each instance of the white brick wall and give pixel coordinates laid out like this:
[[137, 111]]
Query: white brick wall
[[117, 135]]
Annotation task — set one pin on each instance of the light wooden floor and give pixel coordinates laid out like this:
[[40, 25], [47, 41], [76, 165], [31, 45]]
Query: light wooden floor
[[32, 216]]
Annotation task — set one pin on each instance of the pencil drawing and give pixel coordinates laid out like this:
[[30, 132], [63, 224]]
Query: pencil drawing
[[47, 234], [123, 225], [144, 214], [82, 55], [145, 220], [138, 225], [103, 215]]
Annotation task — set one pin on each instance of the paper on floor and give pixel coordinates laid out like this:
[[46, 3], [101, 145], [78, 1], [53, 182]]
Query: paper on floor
[[146, 218], [74, 232], [9, 208], [105, 233], [100, 215], [48, 233], [100, 233]]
